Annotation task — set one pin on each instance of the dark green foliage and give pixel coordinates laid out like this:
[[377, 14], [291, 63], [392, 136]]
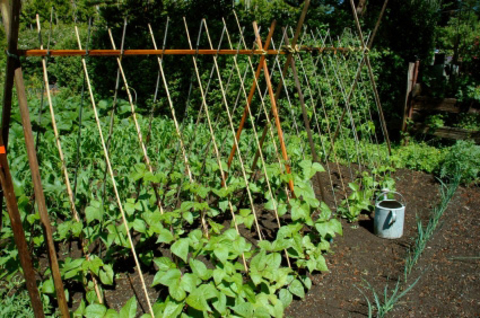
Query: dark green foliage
[[462, 159]]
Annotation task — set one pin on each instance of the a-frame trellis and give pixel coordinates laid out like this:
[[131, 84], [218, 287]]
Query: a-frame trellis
[[294, 65]]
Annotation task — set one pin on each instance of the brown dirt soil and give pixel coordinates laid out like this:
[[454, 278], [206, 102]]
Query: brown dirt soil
[[449, 285]]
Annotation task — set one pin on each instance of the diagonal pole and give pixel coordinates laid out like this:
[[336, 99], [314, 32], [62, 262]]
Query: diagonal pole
[[372, 78], [114, 184], [137, 126], [24, 255], [306, 120], [229, 116], [357, 77], [214, 142], [55, 129], [252, 122], [284, 72], [251, 93], [177, 127]]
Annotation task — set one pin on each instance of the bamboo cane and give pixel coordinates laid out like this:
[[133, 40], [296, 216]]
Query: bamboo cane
[[252, 122], [110, 171], [60, 153], [137, 126], [212, 133], [239, 155]]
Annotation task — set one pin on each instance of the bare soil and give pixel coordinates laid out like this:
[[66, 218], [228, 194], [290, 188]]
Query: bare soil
[[449, 285]]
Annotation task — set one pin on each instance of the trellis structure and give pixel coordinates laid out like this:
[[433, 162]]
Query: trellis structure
[[315, 64]]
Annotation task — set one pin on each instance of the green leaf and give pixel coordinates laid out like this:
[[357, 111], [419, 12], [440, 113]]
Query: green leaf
[[244, 309], [129, 208], [271, 205], [297, 289], [94, 213], [106, 275], [189, 282], [164, 263], [300, 211], [317, 167], [248, 221], [336, 226], [200, 269], [258, 262], [285, 297], [139, 225], [223, 205], [165, 236], [188, 216], [111, 313], [176, 291], [95, 311], [220, 304], [169, 278], [329, 228], [216, 227], [172, 309], [221, 252], [80, 310], [180, 248], [48, 287], [130, 309], [76, 228], [321, 264], [197, 299], [266, 245], [94, 264], [218, 275]]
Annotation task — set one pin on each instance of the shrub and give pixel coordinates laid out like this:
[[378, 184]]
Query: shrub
[[464, 158]]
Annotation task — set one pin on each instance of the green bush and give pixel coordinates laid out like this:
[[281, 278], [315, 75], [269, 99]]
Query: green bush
[[464, 158]]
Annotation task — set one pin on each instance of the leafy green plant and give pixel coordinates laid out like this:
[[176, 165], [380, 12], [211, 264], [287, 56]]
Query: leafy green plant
[[464, 159]]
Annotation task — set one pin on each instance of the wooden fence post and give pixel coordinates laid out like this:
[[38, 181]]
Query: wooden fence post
[[11, 28]]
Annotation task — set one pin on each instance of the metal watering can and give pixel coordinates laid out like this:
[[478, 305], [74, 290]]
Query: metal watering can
[[389, 215]]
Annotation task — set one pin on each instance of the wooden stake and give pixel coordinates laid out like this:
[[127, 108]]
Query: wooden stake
[[252, 92], [252, 121], [136, 52], [370, 43], [275, 114], [372, 79], [306, 121], [280, 84], [229, 116], [18, 233], [177, 127], [32, 158]]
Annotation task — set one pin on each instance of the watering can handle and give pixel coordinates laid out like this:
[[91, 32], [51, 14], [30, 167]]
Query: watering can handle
[[385, 193], [393, 218]]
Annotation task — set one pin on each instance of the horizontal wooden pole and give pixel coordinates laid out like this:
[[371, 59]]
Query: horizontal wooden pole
[[449, 132], [449, 105], [303, 49]]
